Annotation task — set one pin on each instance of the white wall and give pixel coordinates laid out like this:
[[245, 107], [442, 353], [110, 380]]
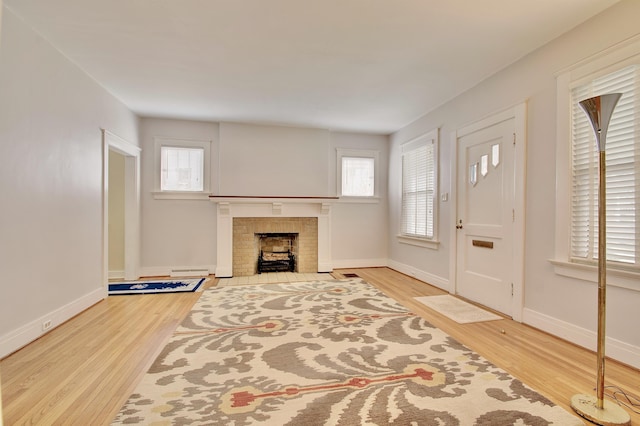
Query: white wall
[[273, 160], [176, 234], [51, 182], [1, 416], [257, 160], [563, 306], [359, 229]]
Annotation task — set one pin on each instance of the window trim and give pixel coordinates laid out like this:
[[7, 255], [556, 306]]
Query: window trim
[[432, 242], [158, 193], [614, 58], [358, 153]]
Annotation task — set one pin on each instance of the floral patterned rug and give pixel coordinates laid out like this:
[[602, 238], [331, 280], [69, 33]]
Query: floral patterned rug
[[336, 352]]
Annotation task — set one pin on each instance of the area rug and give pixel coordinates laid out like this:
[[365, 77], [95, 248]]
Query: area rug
[[456, 309], [158, 286], [324, 353]]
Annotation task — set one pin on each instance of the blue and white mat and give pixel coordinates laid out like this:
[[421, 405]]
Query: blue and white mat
[[158, 286]]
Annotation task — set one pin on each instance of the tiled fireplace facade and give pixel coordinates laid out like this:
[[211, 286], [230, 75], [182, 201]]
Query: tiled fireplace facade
[[246, 242]]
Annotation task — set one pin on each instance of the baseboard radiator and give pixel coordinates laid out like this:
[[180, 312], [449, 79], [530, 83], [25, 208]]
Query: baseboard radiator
[[189, 272]]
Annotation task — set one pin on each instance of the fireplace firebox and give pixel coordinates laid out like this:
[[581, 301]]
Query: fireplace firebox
[[277, 252]]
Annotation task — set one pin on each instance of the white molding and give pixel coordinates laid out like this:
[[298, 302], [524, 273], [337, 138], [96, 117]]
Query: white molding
[[616, 349], [177, 195], [427, 277], [599, 60], [223, 272], [219, 199], [358, 200], [418, 242], [29, 332], [325, 266], [589, 273], [359, 263], [131, 155], [453, 211]]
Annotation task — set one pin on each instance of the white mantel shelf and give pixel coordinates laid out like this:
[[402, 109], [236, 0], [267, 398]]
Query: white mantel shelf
[[229, 207], [268, 199]]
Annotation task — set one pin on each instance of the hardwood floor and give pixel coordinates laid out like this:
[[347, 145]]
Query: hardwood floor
[[84, 370]]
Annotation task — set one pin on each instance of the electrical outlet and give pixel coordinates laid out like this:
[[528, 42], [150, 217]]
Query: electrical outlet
[[46, 325]]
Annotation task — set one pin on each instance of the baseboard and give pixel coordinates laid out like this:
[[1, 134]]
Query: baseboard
[[435, 280], [615, 349], [29, 332], [177, 271], [359, 263]]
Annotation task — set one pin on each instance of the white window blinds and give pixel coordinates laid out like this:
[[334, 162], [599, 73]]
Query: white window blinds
[[622, 171], [418, 189]]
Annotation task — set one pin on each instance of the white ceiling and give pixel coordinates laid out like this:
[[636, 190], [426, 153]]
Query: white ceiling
[[359, 65]]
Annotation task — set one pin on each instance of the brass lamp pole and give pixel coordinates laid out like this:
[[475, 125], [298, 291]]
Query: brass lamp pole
[[599, 110]]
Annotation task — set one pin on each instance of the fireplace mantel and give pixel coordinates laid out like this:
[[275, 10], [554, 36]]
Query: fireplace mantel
[[230, 207]]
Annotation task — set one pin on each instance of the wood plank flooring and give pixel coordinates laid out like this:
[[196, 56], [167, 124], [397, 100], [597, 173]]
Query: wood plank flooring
[[83, 371]]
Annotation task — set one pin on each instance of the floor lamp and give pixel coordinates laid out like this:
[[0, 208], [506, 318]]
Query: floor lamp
[[595, 409]]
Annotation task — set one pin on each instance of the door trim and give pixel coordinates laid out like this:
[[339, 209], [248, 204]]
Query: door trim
[[519, 114], [131, 153]]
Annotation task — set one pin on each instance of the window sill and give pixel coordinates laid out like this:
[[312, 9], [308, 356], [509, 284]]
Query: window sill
[[362, 200], [419, 242], [615, 277], [176, 195]]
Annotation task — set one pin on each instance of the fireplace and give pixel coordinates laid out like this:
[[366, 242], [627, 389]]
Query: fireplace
[[240, 218], [276, 252]]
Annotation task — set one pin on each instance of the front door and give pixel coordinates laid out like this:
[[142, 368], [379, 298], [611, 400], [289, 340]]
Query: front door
[[485, 214]]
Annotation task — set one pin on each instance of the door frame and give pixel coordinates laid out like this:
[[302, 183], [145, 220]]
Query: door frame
[[131, 153], [519, 114]]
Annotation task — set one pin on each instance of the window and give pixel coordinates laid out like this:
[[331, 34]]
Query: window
[[614, 70], [181, 169], [419, 187], [183, 166], [622, 171], [357, 173]]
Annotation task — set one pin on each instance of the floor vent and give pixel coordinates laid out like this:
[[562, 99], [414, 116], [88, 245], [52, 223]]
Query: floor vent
[[350, 275]]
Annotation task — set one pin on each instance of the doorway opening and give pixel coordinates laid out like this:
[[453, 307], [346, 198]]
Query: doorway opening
[[124, 244]]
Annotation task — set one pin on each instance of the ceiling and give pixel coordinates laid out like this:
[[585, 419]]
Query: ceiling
[[355, 65]]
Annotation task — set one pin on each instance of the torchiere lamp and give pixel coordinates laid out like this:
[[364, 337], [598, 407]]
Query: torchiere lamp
[[595, 409]]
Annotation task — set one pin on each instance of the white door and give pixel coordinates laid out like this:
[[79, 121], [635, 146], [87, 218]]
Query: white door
[[485, 214]]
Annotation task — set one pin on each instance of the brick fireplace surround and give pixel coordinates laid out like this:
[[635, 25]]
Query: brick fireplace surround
[[245, 251], [253, 215]]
